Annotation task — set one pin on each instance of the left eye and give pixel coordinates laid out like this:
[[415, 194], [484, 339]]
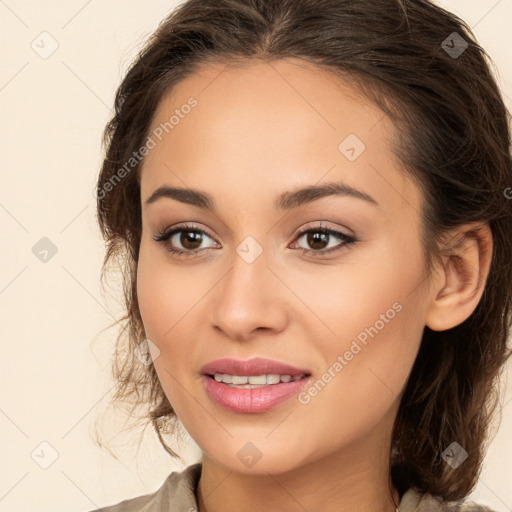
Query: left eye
[[319, 236], [191, 238]]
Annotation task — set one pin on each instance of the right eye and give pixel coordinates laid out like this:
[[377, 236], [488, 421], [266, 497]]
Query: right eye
[[189, 237]]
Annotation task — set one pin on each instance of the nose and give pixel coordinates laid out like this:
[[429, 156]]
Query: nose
[[249, 298]]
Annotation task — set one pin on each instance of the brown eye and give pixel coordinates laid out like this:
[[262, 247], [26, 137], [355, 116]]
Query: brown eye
[[318, 239], [184, 240], [190, 239]]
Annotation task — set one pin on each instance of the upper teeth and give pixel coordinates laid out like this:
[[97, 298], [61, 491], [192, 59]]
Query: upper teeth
[[272, 378]]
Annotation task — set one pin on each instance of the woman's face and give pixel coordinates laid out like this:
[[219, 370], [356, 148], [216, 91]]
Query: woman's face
[[252, 286]]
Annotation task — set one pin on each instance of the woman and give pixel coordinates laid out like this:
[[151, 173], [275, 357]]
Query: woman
[[310, 203]]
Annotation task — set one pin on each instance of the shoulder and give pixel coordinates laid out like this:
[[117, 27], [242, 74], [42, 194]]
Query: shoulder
[[413, 501], [176, 493]]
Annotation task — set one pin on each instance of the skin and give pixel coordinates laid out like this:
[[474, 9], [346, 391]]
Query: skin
[[259, 130]]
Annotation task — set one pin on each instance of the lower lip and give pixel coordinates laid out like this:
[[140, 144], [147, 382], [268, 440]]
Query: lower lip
[[252, 400]]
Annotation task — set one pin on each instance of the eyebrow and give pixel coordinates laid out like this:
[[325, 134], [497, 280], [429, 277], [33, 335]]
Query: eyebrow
[[286, 201]]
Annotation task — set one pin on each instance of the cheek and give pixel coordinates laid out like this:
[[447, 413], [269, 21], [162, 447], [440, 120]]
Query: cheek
[[367, 362], [169, 298], [374, 316], [163, 303], [166, 293], [152, 300]]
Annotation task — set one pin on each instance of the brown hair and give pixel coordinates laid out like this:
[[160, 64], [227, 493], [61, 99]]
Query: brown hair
[[453, 139]]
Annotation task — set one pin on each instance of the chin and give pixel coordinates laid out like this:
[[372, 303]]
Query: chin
[[256, 458]]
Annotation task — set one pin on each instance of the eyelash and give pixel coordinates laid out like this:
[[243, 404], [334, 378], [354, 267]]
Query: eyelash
[[165, 235]]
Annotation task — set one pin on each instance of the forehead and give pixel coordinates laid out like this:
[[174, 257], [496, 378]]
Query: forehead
[[269, 96], [276, 125]]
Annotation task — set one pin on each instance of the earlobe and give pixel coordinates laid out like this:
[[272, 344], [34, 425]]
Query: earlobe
[[462, 278]]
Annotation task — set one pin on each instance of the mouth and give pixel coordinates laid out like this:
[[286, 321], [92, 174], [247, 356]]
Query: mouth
[[247, 394], [235, 371], [255, 381], [253, 386]]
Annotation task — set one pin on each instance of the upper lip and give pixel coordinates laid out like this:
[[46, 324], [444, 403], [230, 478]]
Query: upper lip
[[256, 366]]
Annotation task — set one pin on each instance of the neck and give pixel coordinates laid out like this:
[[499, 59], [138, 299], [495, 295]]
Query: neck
[[354, 478]]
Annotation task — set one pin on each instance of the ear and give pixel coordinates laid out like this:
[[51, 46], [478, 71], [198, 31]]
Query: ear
[[460, 283]]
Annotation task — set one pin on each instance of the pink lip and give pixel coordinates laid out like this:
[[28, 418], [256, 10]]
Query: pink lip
[[256, 366], [252, 400]]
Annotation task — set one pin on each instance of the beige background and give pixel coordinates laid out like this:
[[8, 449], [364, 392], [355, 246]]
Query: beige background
[[55, 380]]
